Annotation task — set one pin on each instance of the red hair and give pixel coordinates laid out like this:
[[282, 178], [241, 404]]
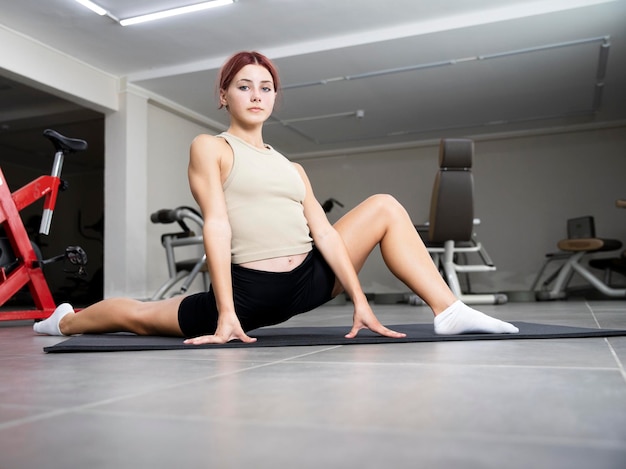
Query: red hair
[[240, 60]]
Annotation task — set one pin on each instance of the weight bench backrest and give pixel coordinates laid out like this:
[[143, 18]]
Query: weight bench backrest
[[452, 201]]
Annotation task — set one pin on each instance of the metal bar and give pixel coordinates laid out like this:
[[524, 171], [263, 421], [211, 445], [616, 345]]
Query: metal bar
[[443, 63]]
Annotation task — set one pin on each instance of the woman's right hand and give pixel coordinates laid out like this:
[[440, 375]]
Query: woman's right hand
[[228, 328]]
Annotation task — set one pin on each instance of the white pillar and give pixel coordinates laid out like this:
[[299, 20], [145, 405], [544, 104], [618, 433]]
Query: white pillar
[[125, 207]]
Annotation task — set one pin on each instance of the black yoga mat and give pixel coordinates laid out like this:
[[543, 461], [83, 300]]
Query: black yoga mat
[[331, 335]]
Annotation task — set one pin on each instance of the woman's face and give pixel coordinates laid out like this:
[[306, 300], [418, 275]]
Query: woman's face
[[251, 95]]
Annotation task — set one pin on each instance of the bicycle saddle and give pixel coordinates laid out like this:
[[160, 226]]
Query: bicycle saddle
[[64, 144]]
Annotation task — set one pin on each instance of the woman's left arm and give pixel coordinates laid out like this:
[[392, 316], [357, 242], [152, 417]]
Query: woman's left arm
[[332, 247]]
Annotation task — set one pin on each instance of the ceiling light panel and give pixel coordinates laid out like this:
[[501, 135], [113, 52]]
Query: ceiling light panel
[[175, 12], [157, 15], [93, 7]]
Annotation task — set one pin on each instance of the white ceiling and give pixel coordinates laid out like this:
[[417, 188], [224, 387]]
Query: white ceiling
[[428, 79]]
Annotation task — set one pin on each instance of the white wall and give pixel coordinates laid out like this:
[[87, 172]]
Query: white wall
[[525, 187], [169, 137], [533, 185]]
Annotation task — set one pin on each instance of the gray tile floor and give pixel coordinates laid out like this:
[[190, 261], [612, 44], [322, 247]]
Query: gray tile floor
[[480, 404]]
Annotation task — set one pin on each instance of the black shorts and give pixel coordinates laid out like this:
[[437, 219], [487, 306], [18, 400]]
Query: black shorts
[[262, 298]]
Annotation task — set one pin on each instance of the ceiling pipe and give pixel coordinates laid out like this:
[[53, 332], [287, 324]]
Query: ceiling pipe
[[603, 61], [359, 114], [443, 63]]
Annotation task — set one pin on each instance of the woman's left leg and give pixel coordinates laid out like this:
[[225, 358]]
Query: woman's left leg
[[382, 220]]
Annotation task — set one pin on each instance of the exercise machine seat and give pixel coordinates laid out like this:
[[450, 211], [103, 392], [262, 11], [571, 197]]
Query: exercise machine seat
[[450, 229], [589, 244], [452, 201]]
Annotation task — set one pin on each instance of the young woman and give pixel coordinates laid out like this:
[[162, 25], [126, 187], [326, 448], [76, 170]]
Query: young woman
[[271, 251]]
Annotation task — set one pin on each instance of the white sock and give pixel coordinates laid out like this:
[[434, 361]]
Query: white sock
[[459, 318], [50, 326]]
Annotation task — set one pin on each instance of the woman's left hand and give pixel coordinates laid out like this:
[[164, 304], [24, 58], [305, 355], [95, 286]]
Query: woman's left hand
[[364, 318]]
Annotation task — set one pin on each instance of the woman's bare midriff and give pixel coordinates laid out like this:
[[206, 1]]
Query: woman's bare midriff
[[276, 264]]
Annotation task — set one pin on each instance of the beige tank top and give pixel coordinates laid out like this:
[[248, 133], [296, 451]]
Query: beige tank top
[[264, 194]]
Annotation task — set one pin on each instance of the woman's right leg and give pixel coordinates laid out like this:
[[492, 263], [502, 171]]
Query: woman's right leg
[[118, 315]]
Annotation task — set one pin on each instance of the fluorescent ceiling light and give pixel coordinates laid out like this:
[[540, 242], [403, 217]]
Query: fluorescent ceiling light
[[175, 11], [93, 7]]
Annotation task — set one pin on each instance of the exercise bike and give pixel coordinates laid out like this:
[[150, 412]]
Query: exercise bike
[[20, 259]]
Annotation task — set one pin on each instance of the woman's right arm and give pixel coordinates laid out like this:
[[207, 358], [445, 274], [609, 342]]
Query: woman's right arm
[[206, 164]]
